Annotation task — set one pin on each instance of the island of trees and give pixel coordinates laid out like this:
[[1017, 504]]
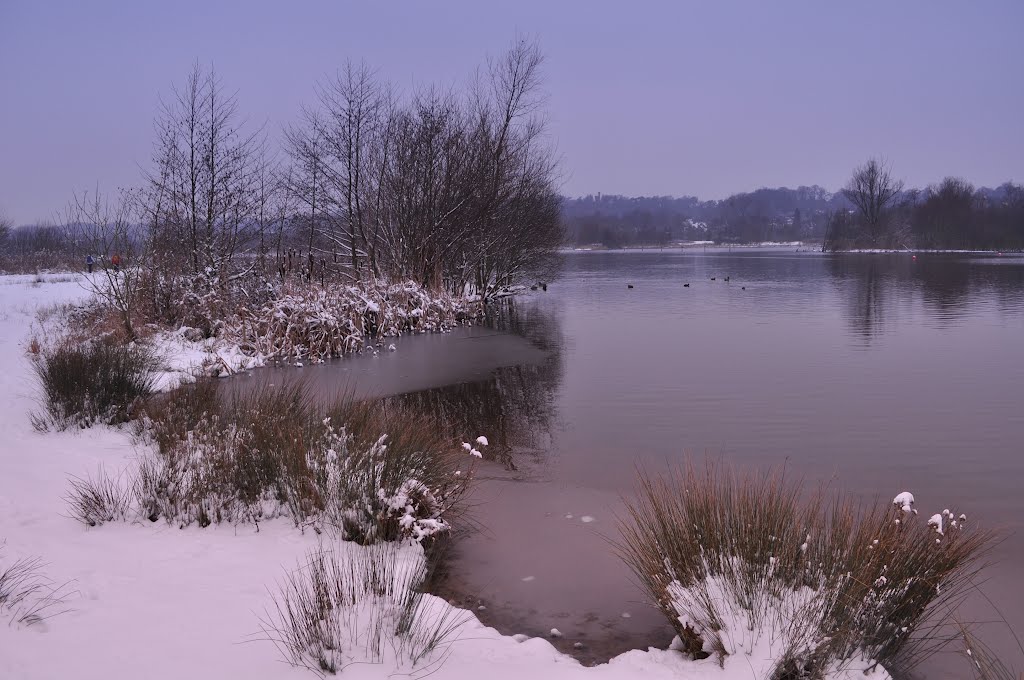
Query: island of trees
[[451, 188]]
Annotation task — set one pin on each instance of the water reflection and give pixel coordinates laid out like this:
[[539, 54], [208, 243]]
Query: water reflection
[[863, 283], [873, 288], [945, 288], [515, 406]]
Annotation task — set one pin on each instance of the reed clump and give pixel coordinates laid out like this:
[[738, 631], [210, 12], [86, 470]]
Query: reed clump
[[813, 581]]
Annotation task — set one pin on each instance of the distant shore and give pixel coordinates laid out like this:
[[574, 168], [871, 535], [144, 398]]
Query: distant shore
[[799, 245]]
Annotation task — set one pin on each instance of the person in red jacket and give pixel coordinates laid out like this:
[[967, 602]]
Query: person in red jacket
[[116, 261]]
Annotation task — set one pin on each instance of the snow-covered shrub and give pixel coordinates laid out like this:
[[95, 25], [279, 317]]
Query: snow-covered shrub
[[199, 301], [92, 382], [398, 477], [365, 605], [381, 474], [96, 500], [319, 323], [27, 596], [800, 583]]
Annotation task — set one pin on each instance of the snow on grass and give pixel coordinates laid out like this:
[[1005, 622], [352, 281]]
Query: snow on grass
[[308, 323], [742, 640], [158, 602], [905, 502]]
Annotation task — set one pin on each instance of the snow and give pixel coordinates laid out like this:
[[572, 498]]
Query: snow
[[157, 602], [184, 359], [905, 501], [753, 651]]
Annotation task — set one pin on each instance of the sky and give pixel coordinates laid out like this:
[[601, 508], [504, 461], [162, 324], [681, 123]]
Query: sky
[[648, 98]]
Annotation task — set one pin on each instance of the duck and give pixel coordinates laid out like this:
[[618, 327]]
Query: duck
[[712, 278], [727, 279], [629, 285], [686, 285]]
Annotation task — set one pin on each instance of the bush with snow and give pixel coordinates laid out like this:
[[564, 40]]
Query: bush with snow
[[380, 474], [95, 500], [321, 323], [796, 585], [345, 607]]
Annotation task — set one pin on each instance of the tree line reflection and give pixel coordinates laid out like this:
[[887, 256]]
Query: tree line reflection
[[515, 407], [949, 287]]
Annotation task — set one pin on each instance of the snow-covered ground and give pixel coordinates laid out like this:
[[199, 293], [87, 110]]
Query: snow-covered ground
[[182, 359], [156, 602]]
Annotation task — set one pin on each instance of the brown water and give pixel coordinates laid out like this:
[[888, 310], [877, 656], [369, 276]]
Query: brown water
[[879, 373]]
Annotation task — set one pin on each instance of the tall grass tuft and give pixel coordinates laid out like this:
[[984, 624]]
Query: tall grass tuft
[[360, 606], [983, 662], [96, 500], [757, 565], [94, 382], [27, 596]]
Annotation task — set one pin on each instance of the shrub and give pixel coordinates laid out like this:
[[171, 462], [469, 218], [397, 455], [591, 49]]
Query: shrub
[[357, 605], [95, 382], [95, 500], [311, 321], [738, 562], [371, 471]]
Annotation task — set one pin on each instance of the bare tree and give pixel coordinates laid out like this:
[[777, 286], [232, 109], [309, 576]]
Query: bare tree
[[872, 190], [104, 228], [517, 222], [202, 191], [355, 105], [5, 229], [307, 183], [451, 190]]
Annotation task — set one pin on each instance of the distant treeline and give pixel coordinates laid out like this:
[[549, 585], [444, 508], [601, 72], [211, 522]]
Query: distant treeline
[[761, 215], [950, 215]]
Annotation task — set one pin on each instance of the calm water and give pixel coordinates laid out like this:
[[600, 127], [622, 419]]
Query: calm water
[[877, 373]]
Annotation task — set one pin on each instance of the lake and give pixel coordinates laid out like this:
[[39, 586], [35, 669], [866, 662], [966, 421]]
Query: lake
[[875, 373]]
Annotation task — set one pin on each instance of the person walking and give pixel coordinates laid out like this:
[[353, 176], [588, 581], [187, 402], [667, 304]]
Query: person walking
[[89, 262], [116, 261]]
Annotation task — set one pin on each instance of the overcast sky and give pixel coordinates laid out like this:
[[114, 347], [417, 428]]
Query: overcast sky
[[703, 98]]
